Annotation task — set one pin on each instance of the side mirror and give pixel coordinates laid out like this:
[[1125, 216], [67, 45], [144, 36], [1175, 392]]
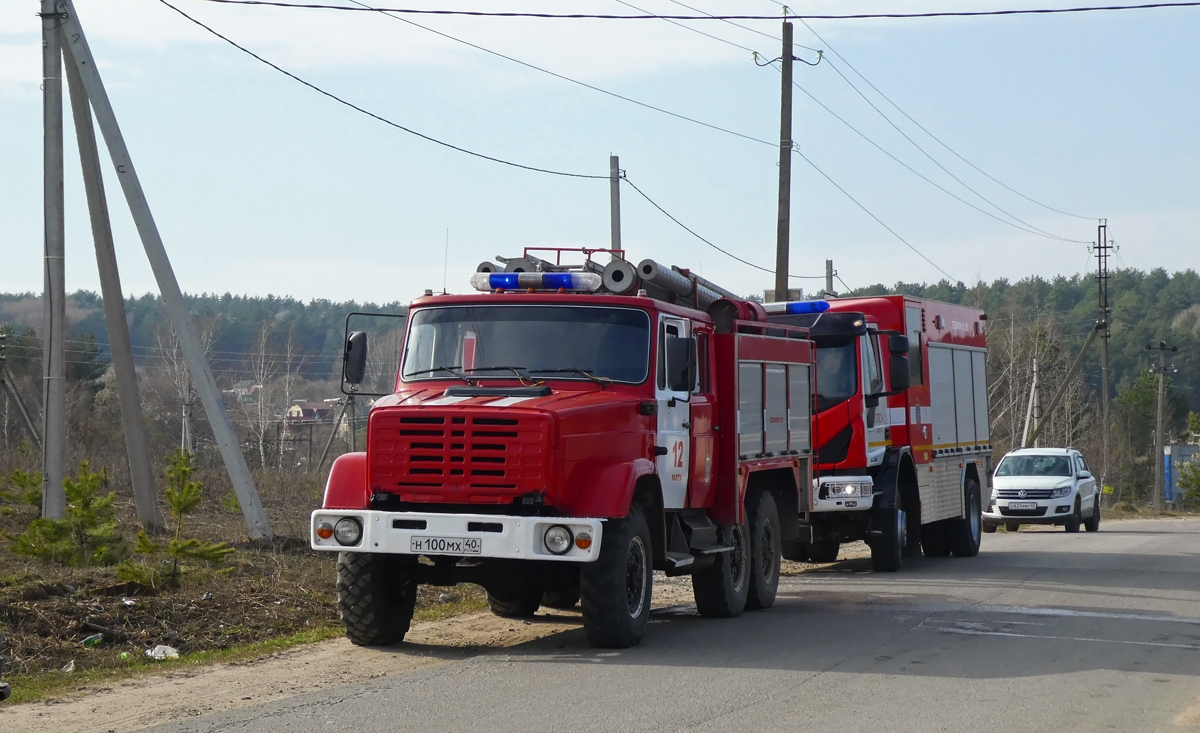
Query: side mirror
[[1083, 474], [681, 364], [898, 344], [899, 377], [354, 358], [871, 400]]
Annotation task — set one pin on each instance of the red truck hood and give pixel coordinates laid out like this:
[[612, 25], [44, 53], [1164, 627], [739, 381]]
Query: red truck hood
[[425, 447]]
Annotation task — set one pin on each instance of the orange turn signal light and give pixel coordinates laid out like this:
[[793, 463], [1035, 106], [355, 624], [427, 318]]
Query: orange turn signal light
[[324, 530], [583, 540]]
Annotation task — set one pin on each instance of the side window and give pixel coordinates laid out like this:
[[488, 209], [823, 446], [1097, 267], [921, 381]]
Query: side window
[[915, 365], [1082, 464], [663, 332], [871, 380], [702, 384]]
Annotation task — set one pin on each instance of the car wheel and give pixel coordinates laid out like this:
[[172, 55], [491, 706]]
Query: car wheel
[[989, 528], [1093, 522], [1012, 526], [1075, 519]]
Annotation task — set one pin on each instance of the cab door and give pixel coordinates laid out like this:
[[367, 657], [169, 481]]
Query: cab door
[[1087, 487], [674, 413], [874, 415]]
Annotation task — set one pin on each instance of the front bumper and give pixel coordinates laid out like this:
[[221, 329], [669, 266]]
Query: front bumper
[[1048, 511], [494, 536]]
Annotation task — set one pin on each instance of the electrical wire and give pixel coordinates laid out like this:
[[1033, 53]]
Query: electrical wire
[[935, 138], [692, 232], [372, 115], [784, 16]]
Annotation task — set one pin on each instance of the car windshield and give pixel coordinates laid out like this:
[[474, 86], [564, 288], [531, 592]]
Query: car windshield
[[1035, 466], [837, 375], [509, 341]]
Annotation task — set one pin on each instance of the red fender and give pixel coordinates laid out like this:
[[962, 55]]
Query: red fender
[[347, 485], [608, 491]]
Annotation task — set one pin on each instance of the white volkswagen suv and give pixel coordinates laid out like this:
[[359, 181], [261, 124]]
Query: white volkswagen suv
[[1043, 486]]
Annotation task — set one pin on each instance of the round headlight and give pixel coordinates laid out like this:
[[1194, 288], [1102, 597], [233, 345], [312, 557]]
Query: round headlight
[[347, 531], [558, 539]]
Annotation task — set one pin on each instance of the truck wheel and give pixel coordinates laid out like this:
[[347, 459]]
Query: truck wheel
[[564, 599], [966, 533], [616, 589], [824, 551], [1075, 519], [887, 548], [376, 596], [934, 541], [762, 524], [1093, 522], [516, 603], [721, 588]]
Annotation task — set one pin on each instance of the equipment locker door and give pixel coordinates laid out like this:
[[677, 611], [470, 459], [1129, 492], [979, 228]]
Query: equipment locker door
[[674, 422]]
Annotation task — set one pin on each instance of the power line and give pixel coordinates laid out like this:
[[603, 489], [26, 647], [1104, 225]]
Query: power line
[[784, 16], [692, 232], [936, 139], [368, 113]]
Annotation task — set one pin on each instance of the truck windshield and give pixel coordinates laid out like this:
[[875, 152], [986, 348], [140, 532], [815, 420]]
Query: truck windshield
[[504, 341], [1035, 466], [837, 374]]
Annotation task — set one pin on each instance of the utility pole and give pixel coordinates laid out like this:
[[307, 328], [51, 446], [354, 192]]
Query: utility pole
[[6, 381], [614, 201], [1158, 429], [829, 273], [1102, 250], [1031, 407], [132, 424], [54, 406], [783, 233]]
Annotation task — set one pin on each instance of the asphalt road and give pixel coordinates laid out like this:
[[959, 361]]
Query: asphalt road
[[1043, 631]]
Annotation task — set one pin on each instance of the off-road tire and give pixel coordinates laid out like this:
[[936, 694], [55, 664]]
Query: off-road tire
[[1092, 523], [1012, 526], [519, 602], [721, 588], [888, 547], [824, 551], [376, 597], [794, 551], [935, 541], [965, 534], [615, 590], [563, 599], [1073, 521], [762, 524]]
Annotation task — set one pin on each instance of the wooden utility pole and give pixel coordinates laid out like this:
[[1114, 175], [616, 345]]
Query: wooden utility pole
[[136, 445], [227, 441], [54, 341], [1158, 429], [783, 232], [829, 273], [614, 202]]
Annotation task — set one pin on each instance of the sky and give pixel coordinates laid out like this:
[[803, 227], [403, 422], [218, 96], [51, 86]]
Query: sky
[[260, 185]]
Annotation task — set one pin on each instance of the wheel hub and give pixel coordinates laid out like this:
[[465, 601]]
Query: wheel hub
[[635, 578]]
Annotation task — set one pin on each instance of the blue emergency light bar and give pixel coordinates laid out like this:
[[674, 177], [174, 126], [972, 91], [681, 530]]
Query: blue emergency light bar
[[488, 281], [797, 307]]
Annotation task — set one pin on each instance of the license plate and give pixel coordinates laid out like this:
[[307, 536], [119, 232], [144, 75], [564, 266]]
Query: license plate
[[1022, 505], [446, 545]]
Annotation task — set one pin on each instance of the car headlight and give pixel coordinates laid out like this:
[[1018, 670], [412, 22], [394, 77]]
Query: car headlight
[[558, 540], [347, 531], [1060, 492]]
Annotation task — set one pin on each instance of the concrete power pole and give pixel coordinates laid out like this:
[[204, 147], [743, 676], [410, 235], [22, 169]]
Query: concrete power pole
[[614, 201], [829, 273], [1158, 423], [783, 232], [1102, 250], [1031, 407], [136, 445], [54, 411], [172, 296]]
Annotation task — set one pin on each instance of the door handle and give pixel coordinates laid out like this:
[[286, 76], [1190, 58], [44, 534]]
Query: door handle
[[660, 450], [687, 425]]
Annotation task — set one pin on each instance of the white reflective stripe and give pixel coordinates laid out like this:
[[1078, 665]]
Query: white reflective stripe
[[446, 400], [506, 401], [896, 416]]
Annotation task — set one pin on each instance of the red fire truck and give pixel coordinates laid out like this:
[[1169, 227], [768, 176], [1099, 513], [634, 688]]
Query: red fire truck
[[564, 432], [901, 426]]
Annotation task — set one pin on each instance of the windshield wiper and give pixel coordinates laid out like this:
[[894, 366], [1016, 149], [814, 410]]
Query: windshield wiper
[[602, 381], [514, 369], [450, 369]]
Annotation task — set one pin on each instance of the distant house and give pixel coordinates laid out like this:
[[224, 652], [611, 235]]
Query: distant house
[[303, 413], [247, 391]]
